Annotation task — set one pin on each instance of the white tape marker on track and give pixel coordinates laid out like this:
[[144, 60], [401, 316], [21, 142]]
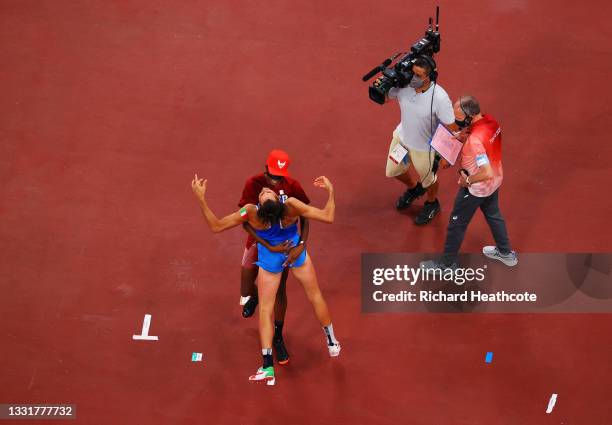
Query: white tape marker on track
[[551, 403], [144, 336]]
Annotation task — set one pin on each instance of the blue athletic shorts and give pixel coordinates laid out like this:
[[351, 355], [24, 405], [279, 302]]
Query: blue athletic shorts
[[273, 261]]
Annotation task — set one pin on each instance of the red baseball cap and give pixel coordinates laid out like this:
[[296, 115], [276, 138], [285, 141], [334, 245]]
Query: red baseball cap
[[278, 162]]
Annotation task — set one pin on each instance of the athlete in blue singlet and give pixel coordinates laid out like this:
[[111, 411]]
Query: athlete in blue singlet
[[275, 223], [276, 235]]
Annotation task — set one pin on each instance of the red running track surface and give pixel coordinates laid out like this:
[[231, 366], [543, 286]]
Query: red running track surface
[[109, 107]]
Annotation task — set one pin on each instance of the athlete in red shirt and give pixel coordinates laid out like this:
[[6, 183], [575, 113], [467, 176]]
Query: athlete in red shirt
[[275, 177]]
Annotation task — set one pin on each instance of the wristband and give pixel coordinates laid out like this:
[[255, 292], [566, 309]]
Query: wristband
[[298, 244]]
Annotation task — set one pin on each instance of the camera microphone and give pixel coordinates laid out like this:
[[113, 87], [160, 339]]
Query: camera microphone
[[376, 70]]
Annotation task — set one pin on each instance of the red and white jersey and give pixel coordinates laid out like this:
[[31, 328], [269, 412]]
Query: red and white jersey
[[483, 146]]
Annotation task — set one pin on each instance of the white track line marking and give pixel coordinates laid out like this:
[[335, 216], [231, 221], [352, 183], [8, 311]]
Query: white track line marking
[[144, 336], [551, 403]]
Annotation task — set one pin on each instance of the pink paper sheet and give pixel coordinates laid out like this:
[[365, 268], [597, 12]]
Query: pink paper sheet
[[446, 144]]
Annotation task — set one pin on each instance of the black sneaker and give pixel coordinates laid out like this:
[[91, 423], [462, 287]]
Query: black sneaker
[[248, 309], [409, 196], [429, 211], [282, 355]]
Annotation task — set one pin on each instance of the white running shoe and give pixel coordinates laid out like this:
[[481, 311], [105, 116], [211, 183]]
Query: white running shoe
[[244, 300], [510, 259], [266, 375], [334, 350]]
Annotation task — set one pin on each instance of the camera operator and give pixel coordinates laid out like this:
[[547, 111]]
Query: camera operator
[[423, 104], [480, 178]]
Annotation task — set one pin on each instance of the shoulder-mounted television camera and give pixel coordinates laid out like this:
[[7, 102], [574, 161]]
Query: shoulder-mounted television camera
[[400, 74]]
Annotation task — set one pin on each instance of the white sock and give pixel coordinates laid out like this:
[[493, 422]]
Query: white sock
[[266, 351], [329, 334]]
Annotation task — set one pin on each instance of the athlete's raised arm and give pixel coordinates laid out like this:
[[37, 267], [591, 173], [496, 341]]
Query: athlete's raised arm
[[217, 225], [326, 214]]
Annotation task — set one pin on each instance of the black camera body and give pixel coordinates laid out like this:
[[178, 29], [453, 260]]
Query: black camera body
[[400, 74]]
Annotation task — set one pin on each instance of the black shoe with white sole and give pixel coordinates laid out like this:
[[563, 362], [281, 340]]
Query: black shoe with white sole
[[409, 196], [429, 211], [248, 309]]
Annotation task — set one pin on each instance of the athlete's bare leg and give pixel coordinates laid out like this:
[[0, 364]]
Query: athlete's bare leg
[[307, 276], [280, 307], [247, 281], [267, 286]]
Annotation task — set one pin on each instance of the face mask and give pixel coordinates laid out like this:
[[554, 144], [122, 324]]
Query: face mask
[[462, 124], [416, 82]]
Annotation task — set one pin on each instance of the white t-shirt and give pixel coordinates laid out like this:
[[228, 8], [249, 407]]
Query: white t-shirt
[[415, 128]]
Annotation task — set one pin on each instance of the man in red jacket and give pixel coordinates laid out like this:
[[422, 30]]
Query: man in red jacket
[[275, 177], [480, 178]]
